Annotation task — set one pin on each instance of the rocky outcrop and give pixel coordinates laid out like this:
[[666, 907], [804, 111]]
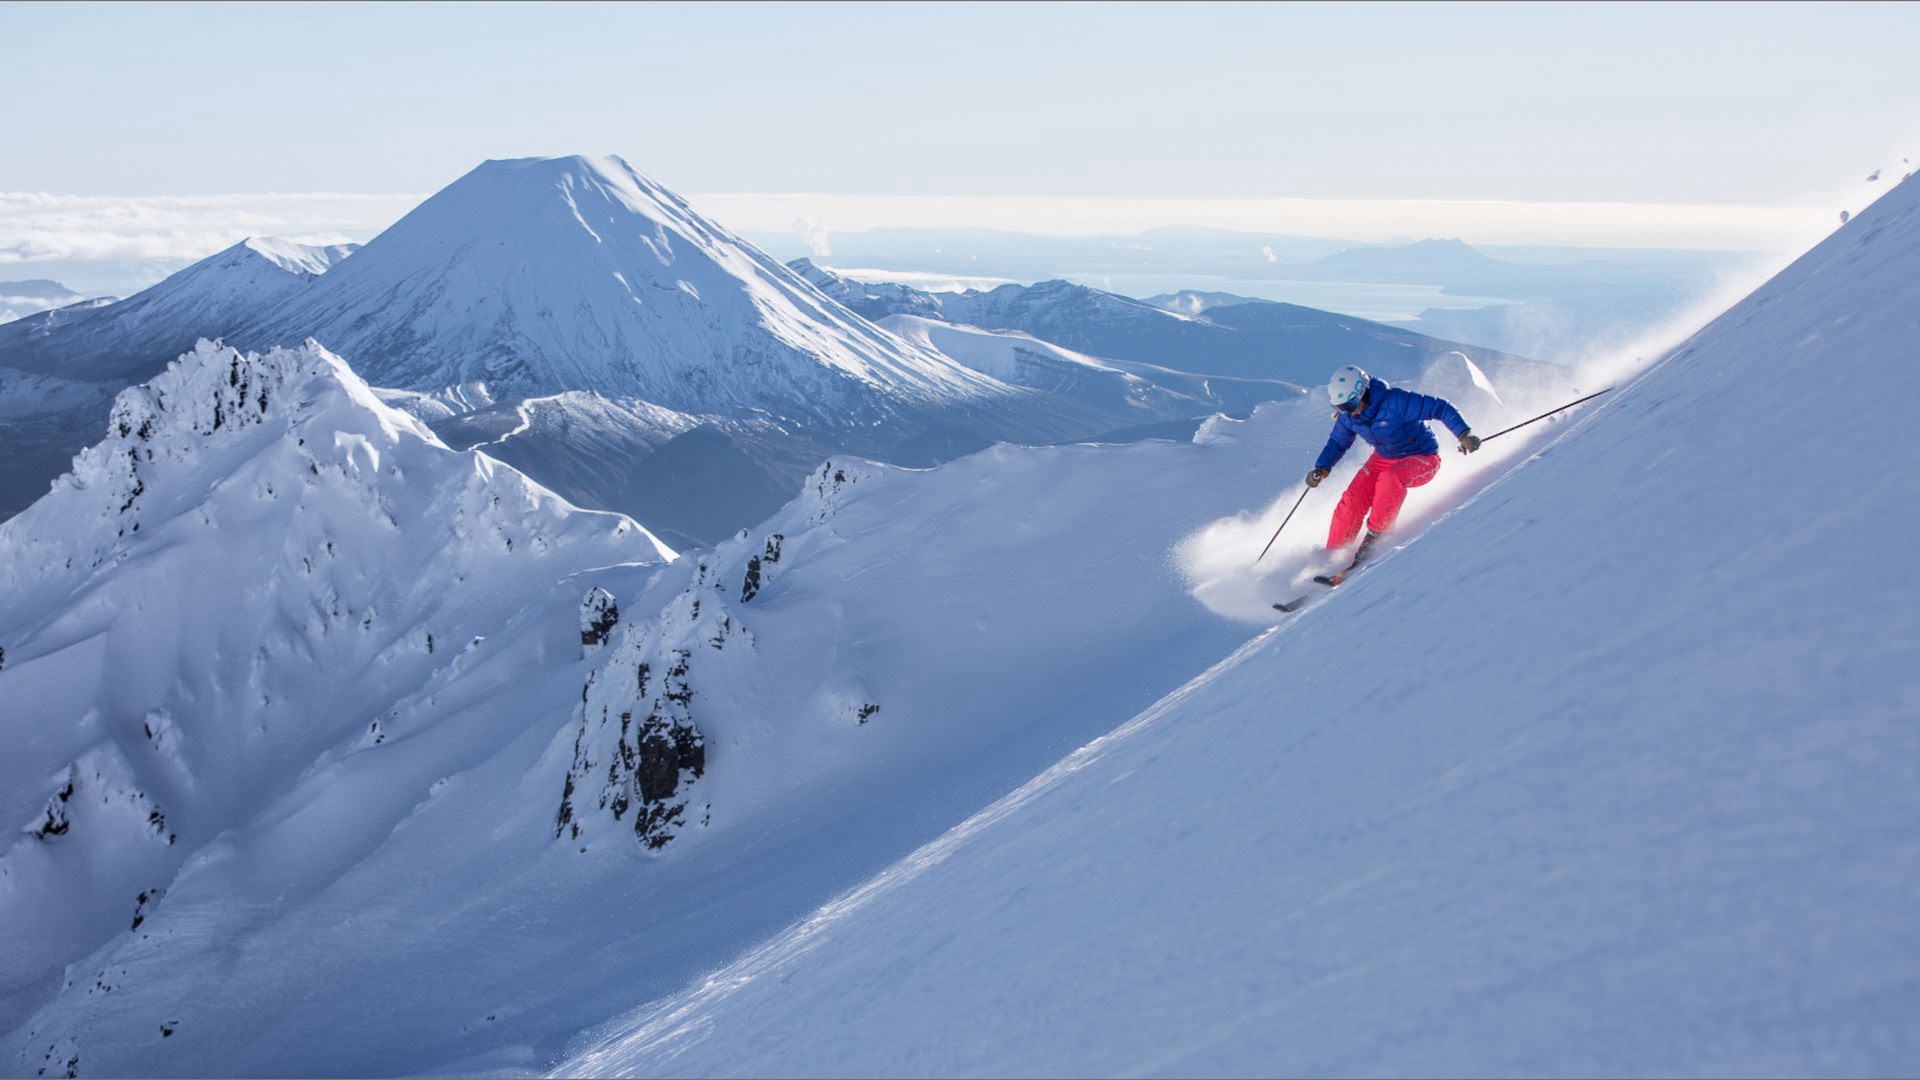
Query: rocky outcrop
[[101, 779], [638, 752], [821, 493], [54, 820], [760, 568], [599, 614]]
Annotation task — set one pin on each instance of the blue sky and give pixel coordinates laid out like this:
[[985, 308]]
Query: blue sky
[[1770, 106]]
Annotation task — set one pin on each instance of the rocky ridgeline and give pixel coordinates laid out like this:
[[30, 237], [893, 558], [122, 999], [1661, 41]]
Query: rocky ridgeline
[[820, 495]]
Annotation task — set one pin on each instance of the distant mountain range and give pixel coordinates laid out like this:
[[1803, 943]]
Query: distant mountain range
[[1261, 340], [1534, 300]]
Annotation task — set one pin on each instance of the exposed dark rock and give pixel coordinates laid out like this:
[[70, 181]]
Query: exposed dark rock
[[759, 566], [656, 753], [56, 822], [599, 614], [751, 586], [141, 903], [866, 711]]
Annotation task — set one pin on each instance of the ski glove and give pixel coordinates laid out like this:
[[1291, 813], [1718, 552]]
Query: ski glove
[[1314, 477], [1469, 442]]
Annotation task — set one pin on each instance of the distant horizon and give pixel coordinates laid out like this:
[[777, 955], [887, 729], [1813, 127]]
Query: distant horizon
[[44, 234]]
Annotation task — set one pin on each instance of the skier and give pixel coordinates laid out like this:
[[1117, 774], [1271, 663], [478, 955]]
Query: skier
[[1405, 455]]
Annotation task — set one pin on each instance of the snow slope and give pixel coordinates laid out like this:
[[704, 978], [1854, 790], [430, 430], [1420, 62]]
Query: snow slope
[[1611, 772]]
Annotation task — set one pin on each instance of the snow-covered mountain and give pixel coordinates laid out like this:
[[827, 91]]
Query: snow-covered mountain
[[1609, 771], [1024, 360], [60, 369], [541, 275], [1266, 341], [137, 337], [875, 300], [1197, 301], [258, 624]]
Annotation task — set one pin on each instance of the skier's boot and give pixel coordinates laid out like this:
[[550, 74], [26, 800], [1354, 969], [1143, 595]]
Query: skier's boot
[[1365, 549], [1360, 555]]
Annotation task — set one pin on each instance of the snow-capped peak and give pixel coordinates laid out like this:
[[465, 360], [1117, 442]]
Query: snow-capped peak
[[295, 257], [538, 275], [220, 429], [137, 337]]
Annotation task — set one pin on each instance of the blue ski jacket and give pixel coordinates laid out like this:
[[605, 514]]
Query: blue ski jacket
[[1394, 423]]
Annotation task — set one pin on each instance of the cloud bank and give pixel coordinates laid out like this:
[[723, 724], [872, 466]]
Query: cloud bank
[[40, 227]]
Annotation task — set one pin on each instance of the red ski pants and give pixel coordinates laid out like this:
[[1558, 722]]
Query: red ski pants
[[1380, 487]]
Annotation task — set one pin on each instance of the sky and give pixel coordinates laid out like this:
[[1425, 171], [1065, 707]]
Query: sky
[[1659, 125]]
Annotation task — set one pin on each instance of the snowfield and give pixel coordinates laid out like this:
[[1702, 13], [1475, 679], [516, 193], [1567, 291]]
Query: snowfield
[[1613, 770]]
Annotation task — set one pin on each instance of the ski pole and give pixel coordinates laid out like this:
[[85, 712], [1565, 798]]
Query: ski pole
[[1546, 414], [1283, 524]]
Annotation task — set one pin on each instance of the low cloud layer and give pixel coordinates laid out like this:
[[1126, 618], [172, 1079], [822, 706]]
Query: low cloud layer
[[38, 227]]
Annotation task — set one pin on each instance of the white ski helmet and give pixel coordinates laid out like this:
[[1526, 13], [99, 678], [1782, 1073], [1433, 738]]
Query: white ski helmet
[[1348, 385]]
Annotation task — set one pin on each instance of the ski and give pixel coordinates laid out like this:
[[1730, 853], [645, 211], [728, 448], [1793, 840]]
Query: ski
[[1292, 605]]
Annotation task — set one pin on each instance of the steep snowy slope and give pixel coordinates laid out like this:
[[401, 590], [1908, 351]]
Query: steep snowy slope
[[540, 275], [1614, 771]]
